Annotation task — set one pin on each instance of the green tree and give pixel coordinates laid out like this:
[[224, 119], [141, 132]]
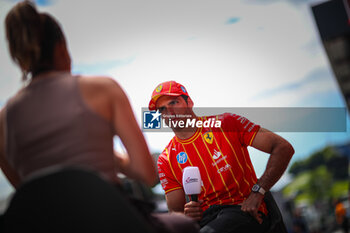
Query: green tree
[[329, 157], [320, 185]]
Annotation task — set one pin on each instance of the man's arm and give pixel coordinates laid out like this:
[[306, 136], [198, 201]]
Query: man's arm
[[176, 200], [177, 203], [280, 152]]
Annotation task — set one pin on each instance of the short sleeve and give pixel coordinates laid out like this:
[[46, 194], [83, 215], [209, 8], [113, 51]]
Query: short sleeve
[[245, 129], [166, 174]]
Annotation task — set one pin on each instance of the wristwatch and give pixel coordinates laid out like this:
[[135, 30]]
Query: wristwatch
[[258, 189]]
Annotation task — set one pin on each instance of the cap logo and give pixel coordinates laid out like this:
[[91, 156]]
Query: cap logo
[[183, 89], [159, 88]]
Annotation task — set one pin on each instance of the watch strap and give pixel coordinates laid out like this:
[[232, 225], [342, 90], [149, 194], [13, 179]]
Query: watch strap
[[262, 190]]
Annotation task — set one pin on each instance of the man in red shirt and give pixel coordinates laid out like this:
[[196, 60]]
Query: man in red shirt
[[231, 198]]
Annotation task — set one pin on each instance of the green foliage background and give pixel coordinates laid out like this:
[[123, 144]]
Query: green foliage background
[[321, 177]]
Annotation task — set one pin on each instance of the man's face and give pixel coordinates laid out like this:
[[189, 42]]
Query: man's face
[[174, 108]]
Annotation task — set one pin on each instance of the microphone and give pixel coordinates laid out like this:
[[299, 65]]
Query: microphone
[[191, 180]]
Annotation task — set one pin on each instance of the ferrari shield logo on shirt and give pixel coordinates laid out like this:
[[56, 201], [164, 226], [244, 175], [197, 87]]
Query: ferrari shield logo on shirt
[[208, 137], [181, 157]]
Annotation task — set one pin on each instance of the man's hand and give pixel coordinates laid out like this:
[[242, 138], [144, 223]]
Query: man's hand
[[193, 209], [252, 204]]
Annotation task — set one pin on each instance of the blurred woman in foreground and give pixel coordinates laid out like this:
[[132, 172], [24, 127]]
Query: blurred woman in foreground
[[61, 119], [58, 119]]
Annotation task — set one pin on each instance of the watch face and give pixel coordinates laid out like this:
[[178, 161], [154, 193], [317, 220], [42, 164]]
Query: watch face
[[255, 188]]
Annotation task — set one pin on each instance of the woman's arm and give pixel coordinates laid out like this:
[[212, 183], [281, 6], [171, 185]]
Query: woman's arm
[[122, 162], [107, 98], [140, 164], [9, 172]]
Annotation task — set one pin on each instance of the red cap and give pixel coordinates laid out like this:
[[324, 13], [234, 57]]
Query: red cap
[[169, 88]]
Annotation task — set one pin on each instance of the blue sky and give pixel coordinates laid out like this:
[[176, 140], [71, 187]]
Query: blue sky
[[100, 68], [227, 53], [317, 75]]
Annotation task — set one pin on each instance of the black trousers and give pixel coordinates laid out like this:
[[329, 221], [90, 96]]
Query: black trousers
[[74, 200], [231, 219]]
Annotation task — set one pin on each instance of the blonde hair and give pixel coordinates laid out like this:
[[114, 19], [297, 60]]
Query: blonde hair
[[31, 38]]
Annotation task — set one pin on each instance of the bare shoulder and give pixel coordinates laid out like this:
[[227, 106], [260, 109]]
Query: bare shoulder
[[98, 82], [102, 84], [103, 94]]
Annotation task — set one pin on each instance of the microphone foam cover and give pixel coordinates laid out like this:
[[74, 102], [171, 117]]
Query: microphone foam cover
[[191, 180]]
